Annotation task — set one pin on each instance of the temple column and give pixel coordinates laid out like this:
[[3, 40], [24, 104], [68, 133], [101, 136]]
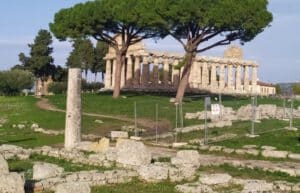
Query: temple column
[[192, 77], [137, 71], [108, 74], [222, 77], [129, 71], [175, 74], [123, 76], [213, 77], [166, 72], [246, 78], [155, 71], [114, 72], [205, 75], [254, 79], [230, 77], [145, 74], [238, 77], [198, 74]]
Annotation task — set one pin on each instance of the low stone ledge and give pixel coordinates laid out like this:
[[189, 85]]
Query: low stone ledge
[[274, 154], [294, 156]]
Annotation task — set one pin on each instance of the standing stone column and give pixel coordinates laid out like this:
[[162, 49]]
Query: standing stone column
[[108, 74], [213, 76], [176, 74], [230, 77], [137, 71], [145, 74], [254, 76], [222, 77], [254, 79], [155, 71], [205, 75], [246, 78], [129, 72], [238, 77], [123, 75], [198, 75], [114, 72], [73, 112], [166, 71], [192, 77]]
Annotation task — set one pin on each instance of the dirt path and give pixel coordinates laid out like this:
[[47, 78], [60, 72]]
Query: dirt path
[[44, 104]]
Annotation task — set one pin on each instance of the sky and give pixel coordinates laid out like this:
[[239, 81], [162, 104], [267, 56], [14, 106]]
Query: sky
[[276, 50]]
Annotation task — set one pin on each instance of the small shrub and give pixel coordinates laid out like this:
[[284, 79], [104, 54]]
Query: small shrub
[[91, 86], [12, 82], [58, 87]]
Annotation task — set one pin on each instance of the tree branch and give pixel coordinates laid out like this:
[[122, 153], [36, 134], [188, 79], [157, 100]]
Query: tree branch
[[219, 43]]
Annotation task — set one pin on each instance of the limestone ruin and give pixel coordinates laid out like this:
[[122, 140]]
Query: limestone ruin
[[157, 71]]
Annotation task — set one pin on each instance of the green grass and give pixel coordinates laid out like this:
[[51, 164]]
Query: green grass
[[103, 103], [137, 187], [270, 132], [23, 110], [247, 173], [16, 165]]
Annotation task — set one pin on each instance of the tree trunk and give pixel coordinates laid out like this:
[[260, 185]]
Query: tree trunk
[[102, 75], [185, 76], [120, 60]]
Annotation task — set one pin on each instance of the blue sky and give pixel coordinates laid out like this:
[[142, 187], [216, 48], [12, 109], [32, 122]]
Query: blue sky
[[276, 50]]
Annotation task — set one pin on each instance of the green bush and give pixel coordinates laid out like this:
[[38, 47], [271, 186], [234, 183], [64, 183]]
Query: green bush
[[61, 87], [12, 82], [296, 88], [58, 87], [91, 86]]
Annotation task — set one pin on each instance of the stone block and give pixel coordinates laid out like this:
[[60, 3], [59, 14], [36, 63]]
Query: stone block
[[228, 150], [215, 179], [295, 156], [153, 173], [177, 145], [119, 134], [274, 153], [3, 165], [194, 188], [133, 153], [257, 186], [215, 148], [268, 147], [73, 188], [183, 173], [12, 183], [100, 146], [186, 158], [46, 170], [252, 152]]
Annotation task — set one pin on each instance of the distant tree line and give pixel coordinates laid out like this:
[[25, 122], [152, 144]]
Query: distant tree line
[[40, 65]]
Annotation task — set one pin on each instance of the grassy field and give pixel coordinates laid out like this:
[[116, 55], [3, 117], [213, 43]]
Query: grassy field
[[103, 103], [22, 110], [270, 133]]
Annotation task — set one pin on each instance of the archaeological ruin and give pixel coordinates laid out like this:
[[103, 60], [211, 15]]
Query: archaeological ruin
[[158, 71]]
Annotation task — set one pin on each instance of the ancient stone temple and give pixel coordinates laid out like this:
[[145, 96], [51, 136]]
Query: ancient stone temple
[[158, 71], [41, 87]]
